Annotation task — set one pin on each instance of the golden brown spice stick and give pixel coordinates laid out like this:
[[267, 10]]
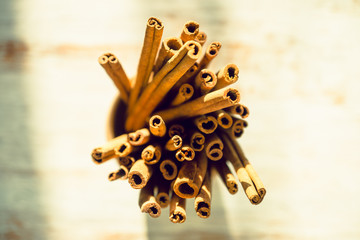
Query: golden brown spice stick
[[245, 180], [167, 50], [177, 209], [197, 140], [157, 126], [127, 161], [153, 34], [210, 53], [185, 92], [237, 129], [206, 124], [118, 79], [177, 129], [245, 111], [122, 174], [186, 78], [205, 81], [214, 147], [226, 176], [223, 119], [151, 154], [201, 38], [249, 168], [139, 137], [162, 196], [190, 31], [235, 109], [106, 152], [162, 82], [208, 103], [147, 201], [190, 177], [124, 149], [202, 201], [185, 153], [226, 76], [123, 79], [169, 169], [174, 143], [139, 174]]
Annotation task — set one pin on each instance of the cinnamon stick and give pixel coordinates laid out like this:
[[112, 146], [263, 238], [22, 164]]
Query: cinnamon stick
[[237, 129], [151, 154], [162, 82], [124, 149], [185, 92], [202, 201], [210, 53], [226, 176], [226, 76], [206, 124], [174, 143], [201, 38], [186, 78], [122, 174], [116, 73], [177, 209], [177, 129], [214, 147], [139, 174], [190, 31], [169, 169], [245, 111], [190, 177], [185, 153], [148, 203], [231, 154], [162, 196], [157, 126], [127, 161], [167, 50], [153, 34], [205, 81], [197, 141], [106, 151], [223, 119], [139, 137], [236, 109], [210, 102]]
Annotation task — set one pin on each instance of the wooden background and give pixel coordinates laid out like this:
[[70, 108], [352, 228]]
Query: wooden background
[[299, 75]]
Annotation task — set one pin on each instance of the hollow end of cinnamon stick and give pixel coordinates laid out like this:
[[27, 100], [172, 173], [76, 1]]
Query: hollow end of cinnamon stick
[[163, 199], [123, 150], [185, 153], [203, 210], [190, 30], [197, 141], [97, 155], [127, 161], [232, 95], [139, 137], [168, 169], [139, 174], [224, 119], [206, 124], [151, 154], [157, 126], [177, 209], [177, 129], [174, 143], [245, 111], [122, 174], [201, 38]]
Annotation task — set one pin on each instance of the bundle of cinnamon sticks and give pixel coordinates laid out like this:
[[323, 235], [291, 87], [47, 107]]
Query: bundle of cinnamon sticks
[[179, 125]]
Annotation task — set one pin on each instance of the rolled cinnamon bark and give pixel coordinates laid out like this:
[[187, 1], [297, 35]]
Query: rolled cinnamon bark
[[139, 174], [210, 53], [223, 119], [185, 153], [208, 103], [162, 82], [169, 169], [174, 143], [177, 209], [237, 129], [122, 174], [177, 129], [245, 111], [127, 161], [231, 154], [189, 32], [206, 124], [116, 73], [153, 34], [186, 78], [226, 76], [185, 92], [139, 137], [124, 149], [162, 196], [201, 38], [157, 126], [249, 169], [151, 154], [214, 147], [147, 201], [197, 141], [167, 50], [236, 109], [202, 201], [205, 81], [106, 152], [190, 177], [226, 176]]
